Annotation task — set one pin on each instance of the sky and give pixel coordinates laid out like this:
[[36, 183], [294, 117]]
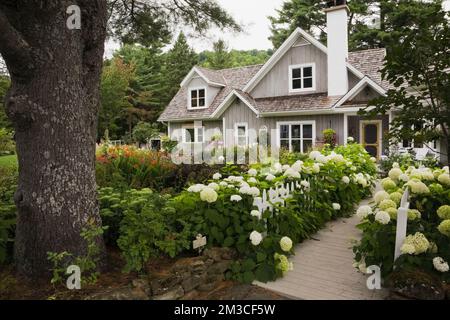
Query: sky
[[250, 13]]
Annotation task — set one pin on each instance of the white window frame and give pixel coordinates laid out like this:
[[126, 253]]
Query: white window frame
[[236, 133], [186, 127], [301, 67], [301, 123], [190, 98]]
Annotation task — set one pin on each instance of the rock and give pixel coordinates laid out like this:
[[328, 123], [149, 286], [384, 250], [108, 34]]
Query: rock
[[207, 287], [164, 284], [143, 285], [198, 267], [416, 285], [186, 265], [125, 293], [173, 294], [190, 295], [214, 253], [228, 254], [193, 282], [219, 267]]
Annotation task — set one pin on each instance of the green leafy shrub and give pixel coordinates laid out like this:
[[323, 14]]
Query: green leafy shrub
[[7, 144], [8, 186], [143, 225], [427, 246], [406, 160], [329, 137]]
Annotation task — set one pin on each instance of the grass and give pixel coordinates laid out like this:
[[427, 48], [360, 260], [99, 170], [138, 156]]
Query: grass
[[8, 161]]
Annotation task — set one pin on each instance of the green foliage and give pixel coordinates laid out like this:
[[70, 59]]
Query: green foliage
[[7, 144], [8, 185], [115, 89], [329, 137], [58, 261], [4, 85], [220, 58], [310, 16], [143, 226], [238, 58], [417, 57], [144, 131]]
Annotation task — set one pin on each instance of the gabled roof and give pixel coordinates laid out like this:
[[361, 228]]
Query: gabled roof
[[238, 82]]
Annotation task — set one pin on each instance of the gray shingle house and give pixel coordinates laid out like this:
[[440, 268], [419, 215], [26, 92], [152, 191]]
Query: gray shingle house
[[305, 88]]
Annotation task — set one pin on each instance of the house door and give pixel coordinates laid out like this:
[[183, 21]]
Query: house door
[[371, 137]]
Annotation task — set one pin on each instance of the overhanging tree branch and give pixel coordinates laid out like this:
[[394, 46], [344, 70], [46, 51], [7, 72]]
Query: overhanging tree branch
[[15, 49]]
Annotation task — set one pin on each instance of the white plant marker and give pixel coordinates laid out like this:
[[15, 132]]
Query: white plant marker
[[199, 242], [402, 223]]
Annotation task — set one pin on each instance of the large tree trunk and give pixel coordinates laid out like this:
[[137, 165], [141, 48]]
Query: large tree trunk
[[53, 103]]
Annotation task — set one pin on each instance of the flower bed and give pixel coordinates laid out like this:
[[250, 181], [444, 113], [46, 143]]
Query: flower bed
[[427, 245], [331, 183]]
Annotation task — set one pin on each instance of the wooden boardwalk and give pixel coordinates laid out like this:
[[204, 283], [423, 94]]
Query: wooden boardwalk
[[323, 267]]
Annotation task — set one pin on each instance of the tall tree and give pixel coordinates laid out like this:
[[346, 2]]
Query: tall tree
[[365, 21], [418, 67], [179, 61], [220, 58], [115, 96], [53, 104]]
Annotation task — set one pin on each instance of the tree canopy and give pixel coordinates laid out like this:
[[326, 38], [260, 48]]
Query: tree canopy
[[418, 67]]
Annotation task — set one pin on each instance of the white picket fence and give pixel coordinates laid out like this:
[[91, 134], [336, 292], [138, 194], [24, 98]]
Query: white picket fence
[[402, 223], [278, 196]]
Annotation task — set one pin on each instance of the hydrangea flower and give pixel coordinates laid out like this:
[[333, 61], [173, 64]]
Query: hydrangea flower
[[396, 197], [414, 214], [388, 184], [286, 244], [256, 238], [217, 176], [444, 228], [314, 154], [440, 264], [214, 186], [350, 139], [252, 172], [305, 184], [208, 194], [363, 212], [336, 206], [270, 177], [235, 198], [316, 168], [255, 213], [283, 263], [387, 203], [444, 212], [345, 179], [418, 187], [196, 188], [403, 177], [444, 178], [380, 196], [382, 217], [252, 180], [392, 213], [415, 244], [223, 183], [395, 173], [436, 188], [291, 173]]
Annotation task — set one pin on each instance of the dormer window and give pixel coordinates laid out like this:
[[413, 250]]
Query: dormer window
[[197, 98], [302, 78]]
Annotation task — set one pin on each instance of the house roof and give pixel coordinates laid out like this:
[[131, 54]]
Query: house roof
[[234, 82]]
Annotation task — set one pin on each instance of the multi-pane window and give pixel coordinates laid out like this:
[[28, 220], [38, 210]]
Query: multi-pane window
[[192, 135], [198, 98], [301, 78], [241, 134], [296, 136]]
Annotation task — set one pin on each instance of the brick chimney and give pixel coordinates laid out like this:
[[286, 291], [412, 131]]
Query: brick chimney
[[337, 29]]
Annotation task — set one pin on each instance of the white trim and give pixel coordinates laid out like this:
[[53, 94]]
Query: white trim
[[345, 128], [224, 133], [184, 128], [380, 134], [236, 136], [194, 71], [227, 103], [358, 88], [301, 67], [198, 98], [282, 51], [301, 123]]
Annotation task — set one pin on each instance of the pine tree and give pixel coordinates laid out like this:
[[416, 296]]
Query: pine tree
[[220, 58], [365, 22], [179, 61]]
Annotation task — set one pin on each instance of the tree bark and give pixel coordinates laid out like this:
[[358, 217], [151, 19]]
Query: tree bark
[[53, 103]]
